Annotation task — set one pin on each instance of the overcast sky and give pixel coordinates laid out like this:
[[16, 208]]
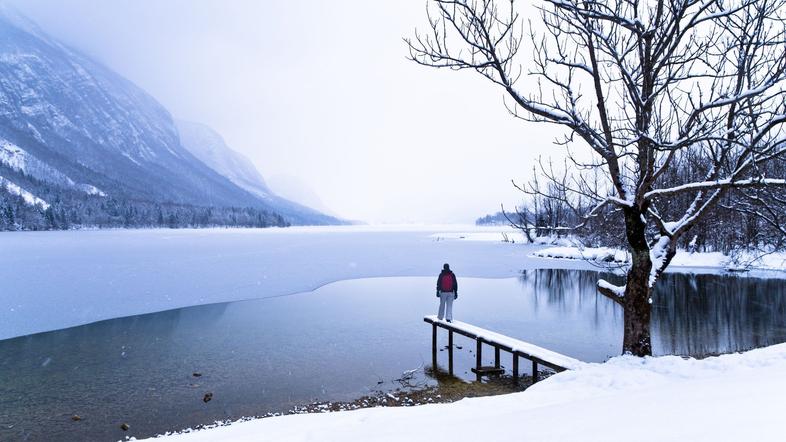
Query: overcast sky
[[319, 95]]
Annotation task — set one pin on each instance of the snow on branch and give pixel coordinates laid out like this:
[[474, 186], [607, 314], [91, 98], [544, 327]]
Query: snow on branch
[[600, 12], [712, 185], [660, 255], [611, 291]]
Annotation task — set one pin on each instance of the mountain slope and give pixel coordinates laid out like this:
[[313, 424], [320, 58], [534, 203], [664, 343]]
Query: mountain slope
[[74, 114], [208, 146], [80, 135]]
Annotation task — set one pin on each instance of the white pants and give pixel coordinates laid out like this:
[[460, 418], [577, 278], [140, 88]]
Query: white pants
[[446, 300]]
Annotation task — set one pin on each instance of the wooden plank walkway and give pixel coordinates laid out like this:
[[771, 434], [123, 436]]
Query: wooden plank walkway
[[537, 355]]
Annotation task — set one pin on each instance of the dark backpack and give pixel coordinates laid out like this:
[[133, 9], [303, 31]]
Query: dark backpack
[[446, 282]]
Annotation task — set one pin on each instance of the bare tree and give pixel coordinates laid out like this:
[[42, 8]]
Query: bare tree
[[642, 85]]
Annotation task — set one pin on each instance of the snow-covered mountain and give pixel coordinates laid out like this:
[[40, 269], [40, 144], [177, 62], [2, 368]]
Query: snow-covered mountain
[[74, 132], [295, 188], [210, 148]]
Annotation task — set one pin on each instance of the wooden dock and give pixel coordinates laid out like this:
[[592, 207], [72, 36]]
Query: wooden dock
[[517, 348]]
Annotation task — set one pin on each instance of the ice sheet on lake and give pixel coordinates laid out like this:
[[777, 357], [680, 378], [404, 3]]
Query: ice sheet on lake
[[53, 280]]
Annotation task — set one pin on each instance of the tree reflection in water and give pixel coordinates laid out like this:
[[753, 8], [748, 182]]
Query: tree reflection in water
[[696, 315], [708, 314], [571, 290]]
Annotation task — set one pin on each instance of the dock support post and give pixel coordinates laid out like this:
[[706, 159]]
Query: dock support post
[[534, 371], [478, 357], [450, 352], [516, 368], [496, 357], [434, 345]]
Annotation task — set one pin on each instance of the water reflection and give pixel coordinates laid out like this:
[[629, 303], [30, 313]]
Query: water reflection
[[341, 342], [693, 315], [572, 290], [710, 314]]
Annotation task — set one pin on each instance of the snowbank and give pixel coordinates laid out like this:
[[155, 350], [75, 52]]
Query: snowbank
[[598, 254], [727, 398], [773, 261]]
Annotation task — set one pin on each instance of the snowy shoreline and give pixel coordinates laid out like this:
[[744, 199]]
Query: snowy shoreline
[[682, 260], [721, 398]]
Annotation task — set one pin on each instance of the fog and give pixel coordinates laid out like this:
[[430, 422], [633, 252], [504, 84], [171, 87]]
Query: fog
[[320, 96]]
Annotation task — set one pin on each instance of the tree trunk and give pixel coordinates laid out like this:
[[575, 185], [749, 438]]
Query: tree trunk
[[637, 313], [636, 302], [528, 234]]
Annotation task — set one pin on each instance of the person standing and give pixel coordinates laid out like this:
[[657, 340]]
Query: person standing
[[447, 292]]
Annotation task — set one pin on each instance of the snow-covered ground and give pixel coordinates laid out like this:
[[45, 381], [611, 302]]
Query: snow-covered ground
[[737, 397], [597, 254], [772, 261]]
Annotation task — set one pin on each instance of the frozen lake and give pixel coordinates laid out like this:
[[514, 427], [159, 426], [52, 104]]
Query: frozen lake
[[338, 343], [293, 334], [53, 280]]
